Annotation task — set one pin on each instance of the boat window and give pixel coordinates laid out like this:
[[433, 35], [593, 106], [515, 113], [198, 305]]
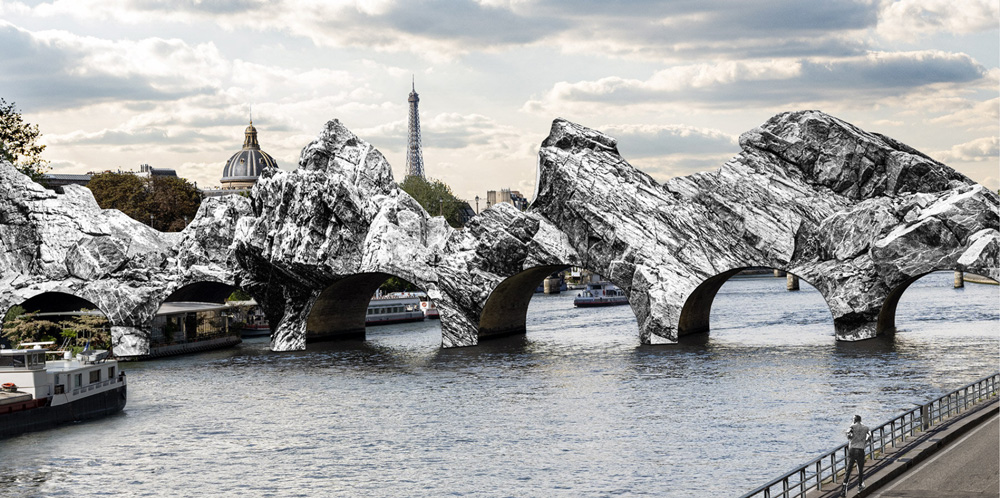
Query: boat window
[[95, 376], [77, 380], [111, 372], [18, 360], [369, 311], [60, 389], [6, 361]]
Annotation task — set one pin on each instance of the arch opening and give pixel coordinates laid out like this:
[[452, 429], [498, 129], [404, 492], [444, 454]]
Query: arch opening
[[696, 313], [345, 308], [505, 312], [888, 313], [66, 319], [195, 317]]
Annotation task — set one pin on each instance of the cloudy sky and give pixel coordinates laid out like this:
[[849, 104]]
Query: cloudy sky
[[113, 84]]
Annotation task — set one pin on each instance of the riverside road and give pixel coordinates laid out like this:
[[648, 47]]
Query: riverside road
[[967, 468]]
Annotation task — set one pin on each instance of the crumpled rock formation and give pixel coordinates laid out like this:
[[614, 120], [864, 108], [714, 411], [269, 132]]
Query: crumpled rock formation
[[65, 243], [856, 214]]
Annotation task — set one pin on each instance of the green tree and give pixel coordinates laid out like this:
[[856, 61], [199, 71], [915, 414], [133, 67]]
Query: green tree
[[122, 191], [88, 328], [166, 203], [436, 198], [396, 284], [19, 142], [173, 202], [26, 327]]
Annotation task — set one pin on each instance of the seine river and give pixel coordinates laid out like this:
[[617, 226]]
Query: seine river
[[574, 408]]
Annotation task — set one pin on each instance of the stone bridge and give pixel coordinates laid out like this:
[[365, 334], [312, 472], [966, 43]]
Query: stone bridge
[[856, 214]]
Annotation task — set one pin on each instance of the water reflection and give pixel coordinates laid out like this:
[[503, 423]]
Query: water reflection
[[575, 407]]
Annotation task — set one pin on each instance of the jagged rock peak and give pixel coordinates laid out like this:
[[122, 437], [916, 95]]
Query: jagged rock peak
[[848, 160], [567, 135], [339, 152]]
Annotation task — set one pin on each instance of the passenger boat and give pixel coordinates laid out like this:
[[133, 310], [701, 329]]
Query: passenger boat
[[397, 307], [38, 393], [427, 306], [600, 294]]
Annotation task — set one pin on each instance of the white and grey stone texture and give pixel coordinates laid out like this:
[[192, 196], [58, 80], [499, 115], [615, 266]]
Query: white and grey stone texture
[[857, 215]]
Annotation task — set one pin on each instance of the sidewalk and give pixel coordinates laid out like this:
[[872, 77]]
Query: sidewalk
[[896, 461]]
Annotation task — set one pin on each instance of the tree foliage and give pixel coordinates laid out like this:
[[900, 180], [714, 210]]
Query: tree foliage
[[19, 142], [436, 198], [21, 326], [166, 203]]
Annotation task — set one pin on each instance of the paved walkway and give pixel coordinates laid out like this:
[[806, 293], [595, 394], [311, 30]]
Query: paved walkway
[[969, 467], [957, 459]]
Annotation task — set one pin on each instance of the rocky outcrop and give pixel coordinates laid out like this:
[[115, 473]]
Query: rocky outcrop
[[856, 214], [64, 242]]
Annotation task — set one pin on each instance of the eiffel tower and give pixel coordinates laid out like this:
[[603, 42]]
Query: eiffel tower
[[414, 153]]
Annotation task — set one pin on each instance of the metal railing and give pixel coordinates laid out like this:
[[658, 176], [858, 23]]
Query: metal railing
[[829, 468]]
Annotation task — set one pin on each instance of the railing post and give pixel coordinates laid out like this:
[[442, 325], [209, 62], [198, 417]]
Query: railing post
[[819, 475], [925, 417], [833, 468]]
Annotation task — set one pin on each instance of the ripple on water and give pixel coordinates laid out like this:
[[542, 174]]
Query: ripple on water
[[574, 408]]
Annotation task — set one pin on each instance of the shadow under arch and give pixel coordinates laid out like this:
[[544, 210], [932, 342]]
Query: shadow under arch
[[697, 309], [339, 311], [887, 314], [506, 310], [56, 302], [202, 292]]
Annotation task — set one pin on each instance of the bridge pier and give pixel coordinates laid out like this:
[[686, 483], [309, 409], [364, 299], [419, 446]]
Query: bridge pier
[[959, 279], [792, 282], [127, 340]]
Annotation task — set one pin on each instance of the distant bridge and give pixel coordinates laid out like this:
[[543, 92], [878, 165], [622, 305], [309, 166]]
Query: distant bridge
[[857, 215]]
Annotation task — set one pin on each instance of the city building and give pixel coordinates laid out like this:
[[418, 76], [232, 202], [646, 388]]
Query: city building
[[512, 197], [56, 181], [244, 167]]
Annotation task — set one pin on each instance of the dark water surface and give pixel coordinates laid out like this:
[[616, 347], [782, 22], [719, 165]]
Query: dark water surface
[[574, 408]]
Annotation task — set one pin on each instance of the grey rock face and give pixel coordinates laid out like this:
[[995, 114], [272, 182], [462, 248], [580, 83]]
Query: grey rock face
[[857, 215], [66, 243]]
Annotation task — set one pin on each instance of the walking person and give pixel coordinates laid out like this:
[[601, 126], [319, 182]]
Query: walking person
[[858, 437]]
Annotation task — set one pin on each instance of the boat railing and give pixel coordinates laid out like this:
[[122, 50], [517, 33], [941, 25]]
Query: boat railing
[[95, 385], [828, 469]]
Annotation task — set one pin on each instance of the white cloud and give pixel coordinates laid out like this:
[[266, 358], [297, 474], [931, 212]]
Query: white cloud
[[909, 19], [645, 140], [980, 149], [858, 80]]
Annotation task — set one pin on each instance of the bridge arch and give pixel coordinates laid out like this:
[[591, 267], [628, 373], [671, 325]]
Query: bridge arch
[[56, 301], [505, 311], [339, 311], [205, 291], [697, 309], [887, 314]]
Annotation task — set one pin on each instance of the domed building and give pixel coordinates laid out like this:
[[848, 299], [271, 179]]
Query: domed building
[[245, 166]]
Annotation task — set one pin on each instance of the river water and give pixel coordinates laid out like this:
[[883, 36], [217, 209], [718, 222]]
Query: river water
[[573, 408]]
